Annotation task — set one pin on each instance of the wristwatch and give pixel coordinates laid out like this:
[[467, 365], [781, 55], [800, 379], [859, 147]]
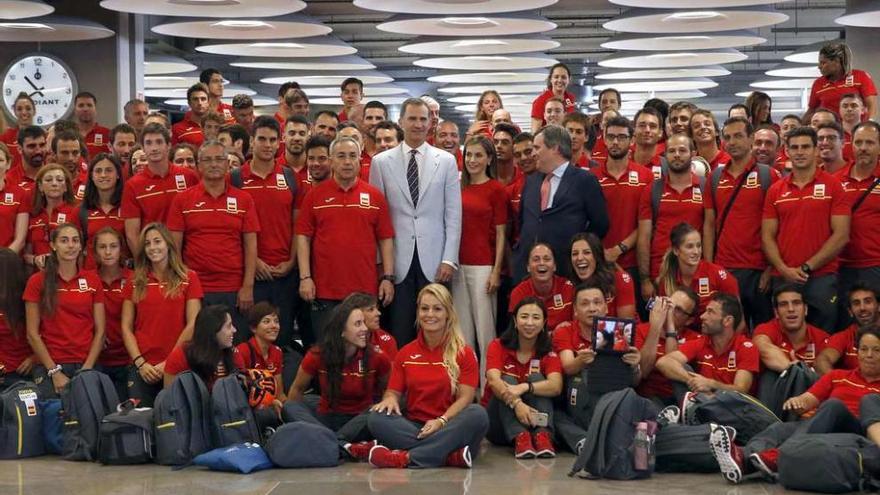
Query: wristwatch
[[671, 335], [389, 278], [806, 268]]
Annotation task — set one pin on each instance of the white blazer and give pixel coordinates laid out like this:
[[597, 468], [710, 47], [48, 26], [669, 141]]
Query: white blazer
[[434, 226]]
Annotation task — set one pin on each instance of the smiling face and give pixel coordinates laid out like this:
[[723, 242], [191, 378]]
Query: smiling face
[[371, 317], [524, 154], [542, 265], [830, 145], [447, 137], [155, 247], [104, 176], [476, 160], [432, 314], [356, 332], [123, 143], [489, 104], [582, 260], [226, 333], [295, 137], [24, 112], [679, 120], [863, 306], [703, 129], [765, 146], [268, 328], [690, 250], [559, 80], [802, 152], [589, 304], [647, 130], [318, 163], [529, 322], [503, 143], [554, 111]]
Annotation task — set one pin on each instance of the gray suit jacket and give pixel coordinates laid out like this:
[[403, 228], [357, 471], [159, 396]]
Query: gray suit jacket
[[434, 226]]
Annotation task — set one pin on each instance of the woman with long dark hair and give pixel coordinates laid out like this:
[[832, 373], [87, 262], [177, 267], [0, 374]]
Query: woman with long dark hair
[[114, 359], [100, 205], [350, 373], [588, 264], [759, 105], [16, 357], [210, 354], [64, 308], [380, 339], [683, 264], [53, 205], [159, 310], [523, 374], [558, 80], [14, 211], [437, 374]]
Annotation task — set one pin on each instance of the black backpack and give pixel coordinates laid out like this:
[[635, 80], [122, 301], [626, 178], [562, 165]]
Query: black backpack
[[609, 450], [21, 422], [828, 463], [126, 436], [741, 411], [684, 449], [234, 420], [89, 397], [182, 420], [793, 381]]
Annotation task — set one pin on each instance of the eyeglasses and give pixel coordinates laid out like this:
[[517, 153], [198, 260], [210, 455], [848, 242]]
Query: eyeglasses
[[617, 137], [682, 312]]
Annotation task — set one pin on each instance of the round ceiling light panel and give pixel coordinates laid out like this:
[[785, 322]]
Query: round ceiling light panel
[[507, 99], [795, 70], [694, 21], [486, 62], [369, 91], [236, 29], [484, 26], [863, 16], [388, 100], [479, 46], [663, 60], [808, 54], [709, 71], [52, 28], [166, 64], [509, 88], [776, 93], [22, 9], [692, 4], [322, 47], [206, 8], [166, 82], [682, 42], [667, 95], [346, 63], [500, 77], [329, 79], [782, 83], [259, 101], [657, 85], [452, 6]]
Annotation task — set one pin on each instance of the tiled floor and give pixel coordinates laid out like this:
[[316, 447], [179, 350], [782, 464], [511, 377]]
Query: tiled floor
[[496, 472]]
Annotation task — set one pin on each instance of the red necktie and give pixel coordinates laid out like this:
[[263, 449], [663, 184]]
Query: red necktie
[[545, 192]]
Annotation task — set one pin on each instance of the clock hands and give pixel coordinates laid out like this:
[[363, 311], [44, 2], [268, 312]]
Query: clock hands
[[37, 90]]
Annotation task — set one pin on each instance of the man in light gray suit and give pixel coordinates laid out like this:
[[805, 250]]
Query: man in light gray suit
[[423, 191]]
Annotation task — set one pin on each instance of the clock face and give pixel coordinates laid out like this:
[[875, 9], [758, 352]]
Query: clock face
[[47, 80]]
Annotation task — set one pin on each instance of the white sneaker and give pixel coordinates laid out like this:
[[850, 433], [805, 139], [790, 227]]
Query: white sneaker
[[726, 453], [688, 409], [669, 415]]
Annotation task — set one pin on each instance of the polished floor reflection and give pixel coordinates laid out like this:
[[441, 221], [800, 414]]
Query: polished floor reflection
[[496, 472]]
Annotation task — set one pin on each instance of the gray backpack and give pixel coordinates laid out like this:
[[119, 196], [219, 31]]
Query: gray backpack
[[234, 420], [21, 421], [685, 449], [126, 436], [828, 463], [182, 421], [303, 445], [741, 411], [89, 397]]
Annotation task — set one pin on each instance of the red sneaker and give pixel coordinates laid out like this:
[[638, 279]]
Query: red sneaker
[[544, 445], [765, 462], [383, 457], [460, 458], [728, 454], [522, 446], [359, 451]]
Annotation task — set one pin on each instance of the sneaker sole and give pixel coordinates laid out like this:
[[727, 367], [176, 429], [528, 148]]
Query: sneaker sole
[[762, 467], [529, 454], [719, 442], [545, 454], [466, 455]]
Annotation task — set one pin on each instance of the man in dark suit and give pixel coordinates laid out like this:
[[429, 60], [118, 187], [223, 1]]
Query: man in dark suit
[[557, 202]]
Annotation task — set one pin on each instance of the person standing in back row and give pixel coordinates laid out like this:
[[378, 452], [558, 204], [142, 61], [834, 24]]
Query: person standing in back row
[[421, 185]]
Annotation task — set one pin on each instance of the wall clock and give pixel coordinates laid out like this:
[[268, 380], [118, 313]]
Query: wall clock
[[48, 81]]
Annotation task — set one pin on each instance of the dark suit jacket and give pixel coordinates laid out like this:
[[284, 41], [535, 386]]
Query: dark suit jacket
[[578, 206]]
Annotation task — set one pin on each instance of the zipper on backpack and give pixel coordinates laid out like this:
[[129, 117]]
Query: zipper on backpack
[[169, 424], [20, 429], [233, 424]]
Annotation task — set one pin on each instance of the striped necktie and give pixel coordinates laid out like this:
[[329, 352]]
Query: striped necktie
[[412, 177]]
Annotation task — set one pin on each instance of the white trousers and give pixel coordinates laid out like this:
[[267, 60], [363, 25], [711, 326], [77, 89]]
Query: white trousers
[[476, 310]]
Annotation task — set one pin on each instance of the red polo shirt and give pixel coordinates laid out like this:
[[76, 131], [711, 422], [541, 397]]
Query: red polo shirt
[[17, 176], [720, 158], [817, 340], [178, 363], [849, 386], [624, 292], [359, 386], [148, 196], [15, 348], [68, 332], [10, 139], [506, 361], [804, 216], [419, 373], [345, 228], [740, 354], [559, 303], [622, 196], [366, 161], [187, 131], [97, 220], [385, 342], [41, 225], [303, 181], [484, 208], [212, 234], [159, 319], [567, 337], [600, 150], [114, 353], [863, 248], [252, 358], [538, 104], [740, 241], [675, 207], [98, 140], [13, 200], [844, 342], [827, 94], [708, 280], [274, 202], [655, 384]]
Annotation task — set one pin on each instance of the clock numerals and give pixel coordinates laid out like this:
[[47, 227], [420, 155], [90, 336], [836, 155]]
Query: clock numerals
[[67, 91], [64, 75], [8, 91], [40, 120], [38, 61], [13, 77]]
